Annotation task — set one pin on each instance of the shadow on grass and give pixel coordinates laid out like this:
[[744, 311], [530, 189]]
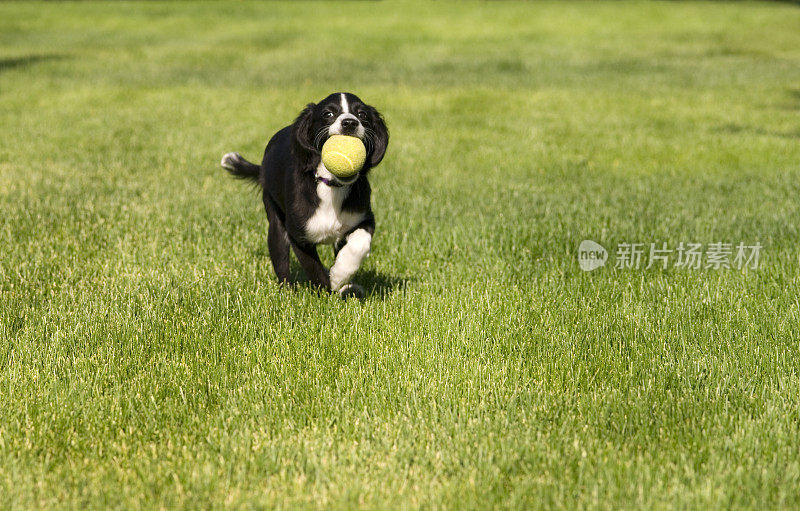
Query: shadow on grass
[[375, 284], [9, 63], [734, 129], [379, 284], [794, 2], [795, 95]]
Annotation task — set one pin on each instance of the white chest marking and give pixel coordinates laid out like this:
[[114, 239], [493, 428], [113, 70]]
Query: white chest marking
[[329, 222]]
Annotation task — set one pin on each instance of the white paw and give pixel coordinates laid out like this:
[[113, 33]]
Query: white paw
[[230, 160], [351, 291]]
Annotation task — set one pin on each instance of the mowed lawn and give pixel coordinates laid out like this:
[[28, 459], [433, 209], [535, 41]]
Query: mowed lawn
[[148, 358]]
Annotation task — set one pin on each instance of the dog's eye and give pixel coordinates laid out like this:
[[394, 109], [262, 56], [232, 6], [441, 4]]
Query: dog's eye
[[327, 115], [362, 115]]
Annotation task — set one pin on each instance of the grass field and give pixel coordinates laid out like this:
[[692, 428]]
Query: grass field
[[148, 358]]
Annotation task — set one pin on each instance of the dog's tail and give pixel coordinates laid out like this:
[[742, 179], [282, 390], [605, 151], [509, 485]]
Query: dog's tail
[[240, 168]]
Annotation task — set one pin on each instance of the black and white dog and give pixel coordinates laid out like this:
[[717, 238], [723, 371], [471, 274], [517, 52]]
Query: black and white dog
[[307, 205]]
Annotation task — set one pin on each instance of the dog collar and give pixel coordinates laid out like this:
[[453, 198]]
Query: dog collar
[[330, 182], [335, 183]]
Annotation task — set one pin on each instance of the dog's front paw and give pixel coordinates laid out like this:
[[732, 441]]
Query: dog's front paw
[[231, 160], [351, 291]]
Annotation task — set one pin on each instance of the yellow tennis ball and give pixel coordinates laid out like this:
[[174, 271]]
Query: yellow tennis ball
[[343, 156]]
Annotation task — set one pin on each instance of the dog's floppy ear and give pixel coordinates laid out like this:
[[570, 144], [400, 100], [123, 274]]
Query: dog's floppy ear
[[381, 137], [301, 134]]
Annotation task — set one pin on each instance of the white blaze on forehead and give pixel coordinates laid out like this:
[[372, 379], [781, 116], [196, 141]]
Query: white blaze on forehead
[[336, 127]]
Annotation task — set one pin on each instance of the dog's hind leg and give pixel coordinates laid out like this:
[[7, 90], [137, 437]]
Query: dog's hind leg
[[277, 240], [309, 260]]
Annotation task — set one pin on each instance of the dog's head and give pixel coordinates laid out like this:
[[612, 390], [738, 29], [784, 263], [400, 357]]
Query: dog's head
[[340, 113]]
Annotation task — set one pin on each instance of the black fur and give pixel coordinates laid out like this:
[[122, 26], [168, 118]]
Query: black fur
[[287, 176]]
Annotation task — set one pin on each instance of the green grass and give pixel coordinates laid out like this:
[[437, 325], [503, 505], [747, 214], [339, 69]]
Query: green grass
[[148, 358]]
